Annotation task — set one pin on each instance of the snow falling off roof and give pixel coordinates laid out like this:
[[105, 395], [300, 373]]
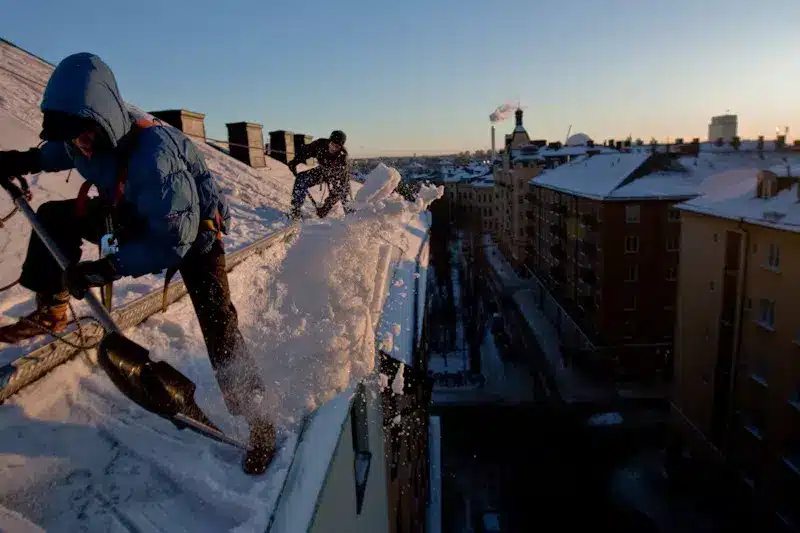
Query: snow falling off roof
[[593, 177], [732, 195]]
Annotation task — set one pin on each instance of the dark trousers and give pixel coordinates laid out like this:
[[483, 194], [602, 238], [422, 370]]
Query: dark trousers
[[303, 182], [203, 273], [40, 272], [206, 280]]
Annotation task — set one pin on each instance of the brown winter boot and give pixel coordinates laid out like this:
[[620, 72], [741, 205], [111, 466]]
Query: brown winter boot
[[50, 316], [261, 449]]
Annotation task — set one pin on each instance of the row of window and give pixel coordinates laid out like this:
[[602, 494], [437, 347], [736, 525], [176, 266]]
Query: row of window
[[673, 244], [633, 214]]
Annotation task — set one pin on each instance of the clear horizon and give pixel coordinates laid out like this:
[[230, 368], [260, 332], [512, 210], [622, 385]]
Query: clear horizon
[[420, 78]]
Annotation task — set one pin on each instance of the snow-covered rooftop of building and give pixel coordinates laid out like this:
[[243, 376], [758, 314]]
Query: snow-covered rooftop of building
[[605, 176], [732, 195], [594, 177], [466, 173], [78, 455], [83, 456]]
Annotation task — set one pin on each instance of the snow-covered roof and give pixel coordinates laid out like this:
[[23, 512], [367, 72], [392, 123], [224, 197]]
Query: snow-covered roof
[[732, 195], [688, 174], [605, 176], [83, 455], [594, 177]]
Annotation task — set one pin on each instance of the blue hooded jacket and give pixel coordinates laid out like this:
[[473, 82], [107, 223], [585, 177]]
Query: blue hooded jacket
[[168, 187]]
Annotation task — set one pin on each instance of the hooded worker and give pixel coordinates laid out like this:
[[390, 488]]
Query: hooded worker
[[167, 213]]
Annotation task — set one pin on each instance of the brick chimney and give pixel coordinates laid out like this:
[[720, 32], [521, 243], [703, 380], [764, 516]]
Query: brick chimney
[[189, 122], [246, 141], [281, 145]]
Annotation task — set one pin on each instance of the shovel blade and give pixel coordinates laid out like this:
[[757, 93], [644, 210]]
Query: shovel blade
[[155, 386]]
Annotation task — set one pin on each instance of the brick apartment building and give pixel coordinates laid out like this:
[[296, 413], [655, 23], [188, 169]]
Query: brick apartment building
[[737, 363], [605, 242]]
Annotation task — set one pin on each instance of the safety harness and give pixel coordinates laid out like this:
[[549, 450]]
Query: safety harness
[[130, 141]]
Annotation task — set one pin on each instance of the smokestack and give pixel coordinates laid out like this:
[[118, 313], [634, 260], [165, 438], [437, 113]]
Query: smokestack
[[493, 148]]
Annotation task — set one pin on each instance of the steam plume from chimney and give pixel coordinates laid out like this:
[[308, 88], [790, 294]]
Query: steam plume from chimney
[[502, 113]]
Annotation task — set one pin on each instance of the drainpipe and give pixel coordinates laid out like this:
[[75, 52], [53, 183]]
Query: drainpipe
[[740, 287]]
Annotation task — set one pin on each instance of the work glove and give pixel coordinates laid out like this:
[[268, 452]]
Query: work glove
[[15, 163], [86, 274]]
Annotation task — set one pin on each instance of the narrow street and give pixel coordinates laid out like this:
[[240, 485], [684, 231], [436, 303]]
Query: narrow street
[[515, 458]]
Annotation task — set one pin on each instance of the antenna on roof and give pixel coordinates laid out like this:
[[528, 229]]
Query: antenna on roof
[[568, 132]]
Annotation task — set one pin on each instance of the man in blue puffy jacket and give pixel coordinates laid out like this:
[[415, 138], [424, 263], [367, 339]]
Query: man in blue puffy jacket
[[167, 214]]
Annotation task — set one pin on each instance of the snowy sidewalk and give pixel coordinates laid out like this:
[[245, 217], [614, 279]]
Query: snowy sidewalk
[[572, 387]]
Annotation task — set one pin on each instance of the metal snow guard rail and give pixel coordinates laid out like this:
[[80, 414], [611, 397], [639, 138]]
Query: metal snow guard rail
[[32, 366]]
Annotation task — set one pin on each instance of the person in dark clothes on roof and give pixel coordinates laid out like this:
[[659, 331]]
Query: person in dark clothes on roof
[[331, 169], [168, 214]]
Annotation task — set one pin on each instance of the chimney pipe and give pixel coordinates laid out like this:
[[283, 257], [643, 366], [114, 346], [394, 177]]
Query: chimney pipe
[[493, 146]]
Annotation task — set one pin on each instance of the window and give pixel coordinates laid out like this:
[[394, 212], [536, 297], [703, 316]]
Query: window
[[766, 313], [715, 238], [633, 273], [673, 243], [671, 271], [711, 286], [630, 303], [673, 214], [774, 256], [363, 457], [631, 244], [632, 214]]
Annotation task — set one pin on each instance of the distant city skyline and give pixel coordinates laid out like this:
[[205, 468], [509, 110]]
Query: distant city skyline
[[421, 77]]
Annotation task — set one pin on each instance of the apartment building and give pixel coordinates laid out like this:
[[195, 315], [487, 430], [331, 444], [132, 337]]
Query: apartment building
[[605, 243], [470, 194], [737, 362]]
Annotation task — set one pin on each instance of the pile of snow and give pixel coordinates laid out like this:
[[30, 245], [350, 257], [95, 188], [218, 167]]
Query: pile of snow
[[77, 455], [324, 302]]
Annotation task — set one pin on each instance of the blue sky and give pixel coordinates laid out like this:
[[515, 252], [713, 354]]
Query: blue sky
[[423, 76]]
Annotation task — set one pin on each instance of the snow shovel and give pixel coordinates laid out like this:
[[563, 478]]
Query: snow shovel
[[155, 385]]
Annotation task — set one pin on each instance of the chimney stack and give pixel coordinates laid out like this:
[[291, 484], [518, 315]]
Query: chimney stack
[[493, 145]]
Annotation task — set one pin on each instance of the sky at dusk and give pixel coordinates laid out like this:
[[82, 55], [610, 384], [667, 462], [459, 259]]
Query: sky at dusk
[[423, 76]]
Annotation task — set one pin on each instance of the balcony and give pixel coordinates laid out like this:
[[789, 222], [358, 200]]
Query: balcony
[[532, 198], [588, 276], [558, 208], [530, 214]]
